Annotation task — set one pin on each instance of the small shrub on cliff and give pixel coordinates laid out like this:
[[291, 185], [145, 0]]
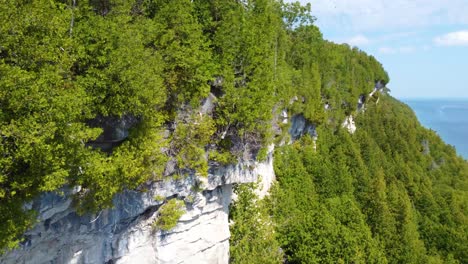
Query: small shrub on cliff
[[223, 157], [159, 198], [169, 214], [262, 154], [189, 142]]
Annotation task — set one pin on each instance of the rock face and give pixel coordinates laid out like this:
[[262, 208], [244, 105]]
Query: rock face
[[300, 127], [124, 234], [115, 130], [361, 103], [349, 124], [379, 86]]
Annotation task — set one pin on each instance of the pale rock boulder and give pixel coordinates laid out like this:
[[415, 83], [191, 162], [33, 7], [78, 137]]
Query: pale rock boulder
[[349, 124]]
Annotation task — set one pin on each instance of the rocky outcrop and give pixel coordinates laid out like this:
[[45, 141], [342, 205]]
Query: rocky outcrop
[[300, 127], [361, 105], [379, 86], [349, 124], [114, 130], [125, 233]]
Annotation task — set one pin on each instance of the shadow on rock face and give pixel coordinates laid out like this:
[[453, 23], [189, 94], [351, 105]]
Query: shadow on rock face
[[115, 130], [301, 126]]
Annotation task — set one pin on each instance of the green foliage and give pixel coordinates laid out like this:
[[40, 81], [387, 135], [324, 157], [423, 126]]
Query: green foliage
[[55, 76], [247, 40], [313, 229], [159, 198], [296, 15], [115, 68], [184, 49], [15, 221], [169, 214], [380, 195], [190, 140], [372, 197], [223, 157], [252, 233], [262, 154]]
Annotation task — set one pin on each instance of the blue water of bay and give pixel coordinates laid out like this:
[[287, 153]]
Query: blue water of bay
[[449, 118]]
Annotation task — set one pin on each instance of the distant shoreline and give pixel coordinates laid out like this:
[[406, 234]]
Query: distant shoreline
[[448, 117], [440, 99]]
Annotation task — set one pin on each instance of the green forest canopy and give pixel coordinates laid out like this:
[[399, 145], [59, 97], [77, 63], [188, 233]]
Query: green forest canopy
[[66, 64]]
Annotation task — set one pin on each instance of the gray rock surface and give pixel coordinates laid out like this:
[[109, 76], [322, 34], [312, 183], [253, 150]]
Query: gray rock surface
[[208, 104], [361, 103], [300, 127], [124, 234], [349, 124]]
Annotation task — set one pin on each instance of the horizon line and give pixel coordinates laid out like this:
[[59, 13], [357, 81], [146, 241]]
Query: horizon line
[[433, 98]]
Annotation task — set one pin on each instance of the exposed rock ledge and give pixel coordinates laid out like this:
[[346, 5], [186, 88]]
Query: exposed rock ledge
[[124, 234], [349, 124]]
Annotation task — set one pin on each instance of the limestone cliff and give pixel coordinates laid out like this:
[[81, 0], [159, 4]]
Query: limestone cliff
[[124, 234]]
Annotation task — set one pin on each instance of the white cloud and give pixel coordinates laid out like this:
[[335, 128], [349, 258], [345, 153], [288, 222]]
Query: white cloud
[[358, 40], [387, 50], [397, 50], [397, 35], [459, 38], [382, 15]]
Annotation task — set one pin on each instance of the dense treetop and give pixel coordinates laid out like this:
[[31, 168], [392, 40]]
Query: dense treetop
[[70, 68], [392, 192]]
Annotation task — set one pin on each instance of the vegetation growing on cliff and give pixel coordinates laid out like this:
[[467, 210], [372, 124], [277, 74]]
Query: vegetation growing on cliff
[[372, 197], [169, 214], [66, 64], [392, 192]]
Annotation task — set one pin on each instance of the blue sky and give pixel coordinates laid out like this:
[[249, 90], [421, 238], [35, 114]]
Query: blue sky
[[423, 44]]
